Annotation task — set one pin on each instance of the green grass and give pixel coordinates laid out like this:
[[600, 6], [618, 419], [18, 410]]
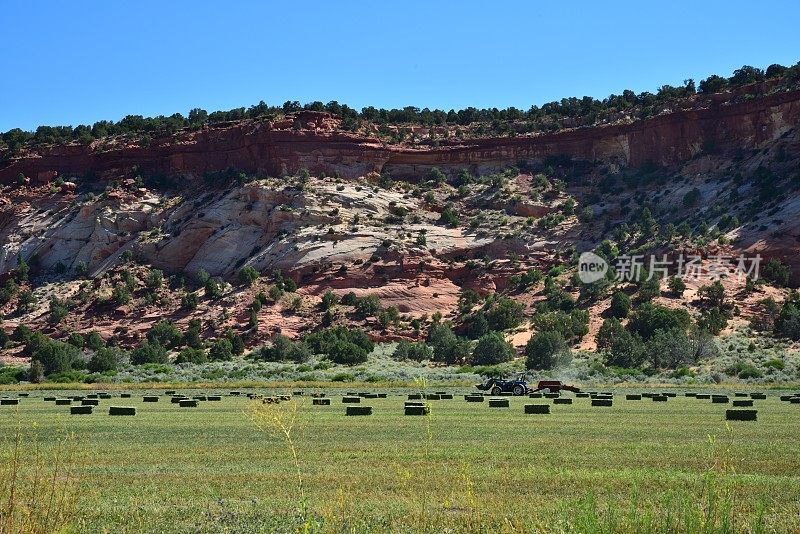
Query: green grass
[[578, 469]]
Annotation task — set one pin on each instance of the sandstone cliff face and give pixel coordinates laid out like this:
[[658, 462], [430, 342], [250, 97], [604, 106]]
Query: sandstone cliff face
[[273, 148]]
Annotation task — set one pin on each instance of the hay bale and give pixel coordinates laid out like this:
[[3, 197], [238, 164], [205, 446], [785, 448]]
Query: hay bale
[[795, 400], [77, 397], [125, 395], [740, 394], [417, 410], [9, 402], [23, 394], [633, 396], [214, 398], [81, 410], [647, 395], [703, 396], [446, 396], [416, 403], [786, 398], [63, 402], [741, 415], [690, 394], [433, 396], [473, 398], [177, 400], [719, 399], [381, 395], [169, 392], [105, 396], [321, 402], [498, 403], [582, 395], [551, 395], [742, 403], [758, 396], [121, 410], [199, 397], [297, 393], [358, 410], [188, 403], [414, 396], [670, 394], [660, 398], [534, 395], [537, 408], [150, 398], [49, 399], [90, 402], [93, 396], [562, 400], [284, 397], [602, 402], [235, 393], [351, 400]]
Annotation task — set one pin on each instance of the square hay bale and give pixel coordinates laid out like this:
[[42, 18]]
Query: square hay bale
[[414, 396], [498, 403], [188, 403], [417, 410], [121, 410], [795, 400], [416, 403], [562, 400], [534, 395], [321, 402], [647, 395], [358, 410], [235, 393], [537, 408], [63, 402], [551, 395], [150, 398], [200, 397], [741, 415], [473, 398], [81, 410], [670, 394], [9, 402], [169, 392], [740, 394], [690, 394], [446, 396], [602, 402], [703, 396], [660, 398], [719, 399], [93, 396], [742, 403], [125, 395], [284, 397], [433, 396], [582, 395], [23, 394], [90, 402], [351, 400], [49, 399], [105, 396], [758, 396], [382, 395], [214, 398], [297, 393], [786, 398], [633, 396], [78, 397], [176, 400]]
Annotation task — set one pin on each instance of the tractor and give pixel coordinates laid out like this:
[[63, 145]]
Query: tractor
[[496, 386], [519, 386]]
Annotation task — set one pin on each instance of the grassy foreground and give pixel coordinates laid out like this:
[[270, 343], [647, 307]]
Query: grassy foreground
[[637, 466]]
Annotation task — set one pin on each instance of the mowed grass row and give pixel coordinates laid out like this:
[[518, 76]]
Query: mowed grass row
[[209, 468]]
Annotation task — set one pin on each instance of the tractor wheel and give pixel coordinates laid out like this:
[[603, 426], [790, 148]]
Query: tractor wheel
[[519, 390], [496, 391]]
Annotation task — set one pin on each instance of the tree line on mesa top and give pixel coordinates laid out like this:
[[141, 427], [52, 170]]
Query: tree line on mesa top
[[584, 111]]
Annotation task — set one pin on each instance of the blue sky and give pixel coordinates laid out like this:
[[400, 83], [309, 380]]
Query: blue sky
[[78, 62]]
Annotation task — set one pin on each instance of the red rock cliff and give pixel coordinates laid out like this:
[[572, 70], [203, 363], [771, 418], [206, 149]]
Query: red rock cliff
[[271, 148]]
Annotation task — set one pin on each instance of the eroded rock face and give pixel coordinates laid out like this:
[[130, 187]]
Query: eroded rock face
[[313, 141]]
